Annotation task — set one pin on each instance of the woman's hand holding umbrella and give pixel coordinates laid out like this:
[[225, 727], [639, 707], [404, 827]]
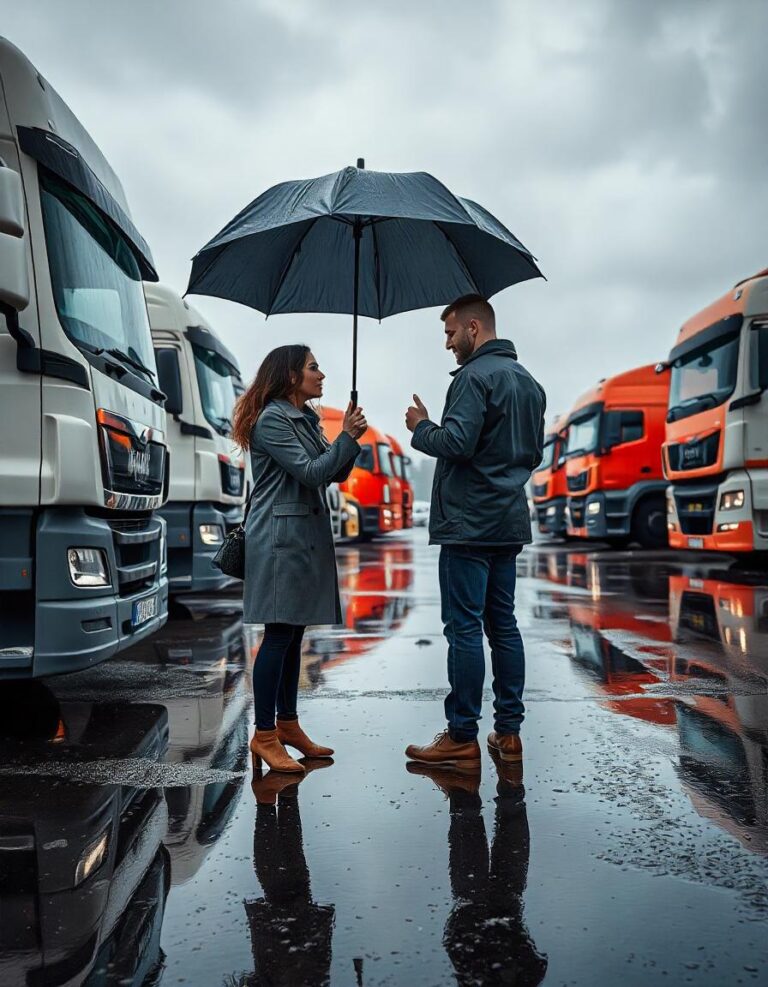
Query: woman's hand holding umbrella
[[354, 421]]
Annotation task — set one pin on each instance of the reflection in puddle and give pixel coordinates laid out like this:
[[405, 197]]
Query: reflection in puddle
[[642, 630]]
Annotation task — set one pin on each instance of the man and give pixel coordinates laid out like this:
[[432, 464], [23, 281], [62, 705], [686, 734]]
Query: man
[[488, 442]]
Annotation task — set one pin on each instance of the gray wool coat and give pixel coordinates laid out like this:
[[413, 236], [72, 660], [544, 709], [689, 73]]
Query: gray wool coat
[[290, 560]]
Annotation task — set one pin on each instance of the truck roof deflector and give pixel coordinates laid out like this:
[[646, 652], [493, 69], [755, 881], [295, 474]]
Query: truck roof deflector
[[65, 161]]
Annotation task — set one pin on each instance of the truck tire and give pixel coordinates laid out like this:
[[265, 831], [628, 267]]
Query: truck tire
[[649, 523]]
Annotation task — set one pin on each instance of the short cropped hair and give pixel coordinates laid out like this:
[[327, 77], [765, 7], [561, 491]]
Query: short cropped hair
[[474, 306]]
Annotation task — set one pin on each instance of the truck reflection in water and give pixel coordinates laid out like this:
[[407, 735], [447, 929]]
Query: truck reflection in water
[[639, 628], [206, 692], [83, 872], [485, 936], [722, 631], [290, 932]]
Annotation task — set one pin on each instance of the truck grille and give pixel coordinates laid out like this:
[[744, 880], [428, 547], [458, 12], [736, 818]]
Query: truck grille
[[696, 509], [232, 479], [578, 482], [137, 553], [576, 506], [540, 490], [694, 454]]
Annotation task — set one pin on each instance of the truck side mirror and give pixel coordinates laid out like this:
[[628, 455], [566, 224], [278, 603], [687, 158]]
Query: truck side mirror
[[169, 379], [14, 275]]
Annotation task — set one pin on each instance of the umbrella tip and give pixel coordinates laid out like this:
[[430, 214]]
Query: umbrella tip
[[361, 162]]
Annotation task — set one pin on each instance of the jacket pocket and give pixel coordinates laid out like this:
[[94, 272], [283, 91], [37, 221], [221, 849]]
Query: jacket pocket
[[290, 525]]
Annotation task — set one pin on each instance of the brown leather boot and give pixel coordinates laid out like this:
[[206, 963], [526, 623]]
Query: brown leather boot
[[291, 735], [443, 750], [266, 746], [508, 746]]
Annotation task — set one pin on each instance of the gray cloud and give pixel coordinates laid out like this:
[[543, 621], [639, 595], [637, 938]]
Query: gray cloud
[[623, 143]]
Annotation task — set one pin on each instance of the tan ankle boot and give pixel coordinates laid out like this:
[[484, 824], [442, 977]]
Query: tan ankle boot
[[266, 747], [291, 735], [443, 750], [507, 746]]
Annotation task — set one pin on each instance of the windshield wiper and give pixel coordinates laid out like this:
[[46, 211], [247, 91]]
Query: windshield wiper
[[136, 364], [705, 400]]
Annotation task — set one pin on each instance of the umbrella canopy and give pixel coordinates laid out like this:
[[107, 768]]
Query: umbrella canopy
[[359, 242]]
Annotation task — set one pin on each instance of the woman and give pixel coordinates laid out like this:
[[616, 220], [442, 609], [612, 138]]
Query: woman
[[290, 561]]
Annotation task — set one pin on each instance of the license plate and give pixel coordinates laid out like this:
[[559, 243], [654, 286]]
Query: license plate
[[695, 543], [144, 610]]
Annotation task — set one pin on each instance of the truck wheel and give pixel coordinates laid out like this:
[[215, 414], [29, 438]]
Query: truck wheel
[[649, 524]]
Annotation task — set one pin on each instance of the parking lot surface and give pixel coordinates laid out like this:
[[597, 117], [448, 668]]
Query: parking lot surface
[[137, 846]]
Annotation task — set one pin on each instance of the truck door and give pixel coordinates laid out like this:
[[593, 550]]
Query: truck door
[[19, 391]]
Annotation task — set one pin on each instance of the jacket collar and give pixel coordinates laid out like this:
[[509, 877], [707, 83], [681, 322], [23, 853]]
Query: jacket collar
[[494, 347], [292, 411]]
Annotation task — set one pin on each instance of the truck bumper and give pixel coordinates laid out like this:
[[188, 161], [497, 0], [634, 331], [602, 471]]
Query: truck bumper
[[190, 560], [550, 516], [697, 521], [600, 514], [72, 627], [377, 520]]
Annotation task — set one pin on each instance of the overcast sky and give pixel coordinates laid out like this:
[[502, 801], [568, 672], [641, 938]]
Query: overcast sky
[[625, 143]]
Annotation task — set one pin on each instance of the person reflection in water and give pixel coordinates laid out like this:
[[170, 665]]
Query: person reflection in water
[[485, 936], [290, 932]]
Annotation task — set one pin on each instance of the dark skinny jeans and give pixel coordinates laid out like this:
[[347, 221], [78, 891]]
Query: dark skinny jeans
[[276, 674]]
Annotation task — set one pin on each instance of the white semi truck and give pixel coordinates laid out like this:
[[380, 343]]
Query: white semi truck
[[201, 380], [82, 444]]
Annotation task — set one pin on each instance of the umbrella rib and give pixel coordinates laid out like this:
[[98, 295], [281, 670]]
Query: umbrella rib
[[287, 267], [377, 269], [461, 258]]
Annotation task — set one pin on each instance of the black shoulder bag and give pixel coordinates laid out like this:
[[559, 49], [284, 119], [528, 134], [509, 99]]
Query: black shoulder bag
[[230, 558]]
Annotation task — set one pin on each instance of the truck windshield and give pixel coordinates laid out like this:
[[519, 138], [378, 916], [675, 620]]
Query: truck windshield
[[218, 388], [582, 435], [703, 379], [95, 278], [547, 455], [385, 459]]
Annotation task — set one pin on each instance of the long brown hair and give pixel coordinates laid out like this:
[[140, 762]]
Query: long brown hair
[[277, 377]]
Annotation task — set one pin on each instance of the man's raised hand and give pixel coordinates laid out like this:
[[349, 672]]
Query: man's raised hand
[[416, 413]]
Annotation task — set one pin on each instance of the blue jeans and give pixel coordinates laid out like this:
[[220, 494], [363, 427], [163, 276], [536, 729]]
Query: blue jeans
[[477, 590]]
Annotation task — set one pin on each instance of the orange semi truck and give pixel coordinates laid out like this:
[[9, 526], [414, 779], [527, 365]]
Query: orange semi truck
[[616, 486], [550, 493], [716, 448], [401, 464], [370, 482]]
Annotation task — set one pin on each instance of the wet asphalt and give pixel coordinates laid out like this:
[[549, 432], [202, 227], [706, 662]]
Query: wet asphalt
[[136, 846]]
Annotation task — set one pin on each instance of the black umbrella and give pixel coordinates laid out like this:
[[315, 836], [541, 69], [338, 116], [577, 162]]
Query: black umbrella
[[362, 242]]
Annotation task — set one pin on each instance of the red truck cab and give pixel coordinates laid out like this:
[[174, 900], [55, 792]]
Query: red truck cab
[[550, 492], [401, 463], [616, 486], [371, 481]]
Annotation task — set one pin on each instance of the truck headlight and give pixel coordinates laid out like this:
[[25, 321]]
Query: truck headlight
[[593, 507], [87, 567], [732, 500], [551, 511], [91, 858], [211, 534]]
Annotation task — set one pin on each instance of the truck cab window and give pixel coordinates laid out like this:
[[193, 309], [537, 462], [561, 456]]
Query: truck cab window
[[218, 394], [703, 379], [364, 459], [95, 277], [385, 459]]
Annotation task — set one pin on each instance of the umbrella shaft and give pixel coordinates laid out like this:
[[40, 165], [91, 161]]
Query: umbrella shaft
[[357, 232]]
